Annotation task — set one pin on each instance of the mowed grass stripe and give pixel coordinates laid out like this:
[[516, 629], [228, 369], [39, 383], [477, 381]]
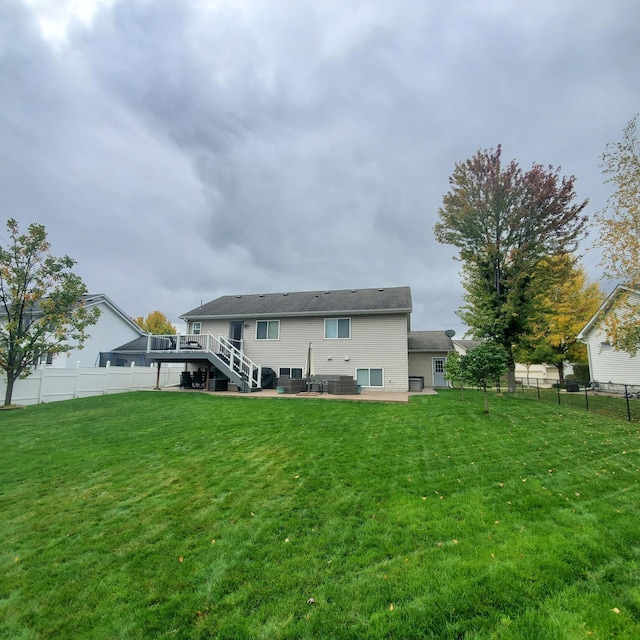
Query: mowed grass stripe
[[195, 516]]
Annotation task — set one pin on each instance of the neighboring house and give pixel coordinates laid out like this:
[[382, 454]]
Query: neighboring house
[[428, 352], [607, 364], [462, 346], [359, 333], [113, 327]]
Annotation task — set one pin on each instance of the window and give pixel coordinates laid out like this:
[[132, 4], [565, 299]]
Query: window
[[46, 358], [337, 328], [370, 377], [292, 372], [196, 327], [268, 330], [605, 346]]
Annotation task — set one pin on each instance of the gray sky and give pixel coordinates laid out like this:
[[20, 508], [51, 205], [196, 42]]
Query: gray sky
[[184, 149]]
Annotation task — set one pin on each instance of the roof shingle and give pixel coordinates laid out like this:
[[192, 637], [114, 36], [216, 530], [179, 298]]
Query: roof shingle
[[356, 301], [429, 341]]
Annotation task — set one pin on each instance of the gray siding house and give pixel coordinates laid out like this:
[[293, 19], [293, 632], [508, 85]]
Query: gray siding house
[[359, 333], [428, 352]]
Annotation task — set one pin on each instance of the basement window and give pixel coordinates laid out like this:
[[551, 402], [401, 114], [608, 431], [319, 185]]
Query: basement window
[[370, 377], [292, 372]]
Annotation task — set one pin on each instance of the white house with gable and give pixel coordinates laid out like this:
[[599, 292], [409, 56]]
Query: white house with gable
[[114, 327], [607, 364]]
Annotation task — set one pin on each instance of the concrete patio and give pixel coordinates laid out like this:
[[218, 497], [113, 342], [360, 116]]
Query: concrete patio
[[365, 396]]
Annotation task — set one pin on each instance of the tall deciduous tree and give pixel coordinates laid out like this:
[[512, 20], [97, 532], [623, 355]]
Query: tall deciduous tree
[[506, 224], [619, 239], [157, 323], [41, 310]]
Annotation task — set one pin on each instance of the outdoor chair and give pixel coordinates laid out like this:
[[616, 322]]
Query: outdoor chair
[[186, 380], [198, 379]]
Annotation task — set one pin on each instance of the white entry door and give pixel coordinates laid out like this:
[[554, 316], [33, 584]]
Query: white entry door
[[438, 372]]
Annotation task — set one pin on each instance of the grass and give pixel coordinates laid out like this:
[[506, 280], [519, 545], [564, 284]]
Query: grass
[[153, 515], [599, 403]]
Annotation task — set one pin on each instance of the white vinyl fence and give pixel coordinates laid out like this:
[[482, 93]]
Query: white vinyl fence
[[50, 384]]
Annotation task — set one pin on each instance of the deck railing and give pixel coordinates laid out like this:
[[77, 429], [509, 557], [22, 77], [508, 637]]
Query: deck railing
[[220, 346]]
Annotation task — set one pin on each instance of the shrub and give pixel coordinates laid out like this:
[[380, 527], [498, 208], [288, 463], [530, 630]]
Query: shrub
[[581, 371]]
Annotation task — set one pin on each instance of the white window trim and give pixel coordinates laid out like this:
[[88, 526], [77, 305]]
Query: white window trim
[[267, 322], [337, 322], [369, 369], [196, 328]]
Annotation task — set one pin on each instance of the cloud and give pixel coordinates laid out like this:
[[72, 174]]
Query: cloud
[[181, 151]]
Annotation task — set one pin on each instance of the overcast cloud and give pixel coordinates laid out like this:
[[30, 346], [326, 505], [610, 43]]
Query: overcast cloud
[[181, 150]]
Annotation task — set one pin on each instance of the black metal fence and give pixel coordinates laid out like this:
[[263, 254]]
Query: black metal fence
[[612, 399]]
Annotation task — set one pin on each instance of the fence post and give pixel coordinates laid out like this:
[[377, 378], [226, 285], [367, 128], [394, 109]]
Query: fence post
[[626, 397], [40, 391], [106, 379], [558, 389], [76, 381], [538, 387], [586, 395]]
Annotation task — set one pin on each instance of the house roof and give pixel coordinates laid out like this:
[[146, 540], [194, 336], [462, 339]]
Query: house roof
[[137, 345], [429, 341], [93, 299], [305, 303], [467, 344], [604, 308]]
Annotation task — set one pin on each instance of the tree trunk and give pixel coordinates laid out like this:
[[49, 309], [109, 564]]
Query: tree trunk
[[486, 399], [9, 392], [560, 368], [511, 378]]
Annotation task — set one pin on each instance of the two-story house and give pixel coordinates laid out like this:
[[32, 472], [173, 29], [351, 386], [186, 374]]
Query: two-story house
[[360, 333]]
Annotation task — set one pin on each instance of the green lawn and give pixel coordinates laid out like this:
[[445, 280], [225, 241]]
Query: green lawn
[[611, 405], [190, 516]]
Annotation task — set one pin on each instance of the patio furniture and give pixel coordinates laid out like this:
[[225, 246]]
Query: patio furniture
[[343, 386], [186, 380], [292, 385], [198, 380]]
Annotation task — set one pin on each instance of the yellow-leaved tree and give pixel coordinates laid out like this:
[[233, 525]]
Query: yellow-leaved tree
[[569, 305], [157, 323]]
